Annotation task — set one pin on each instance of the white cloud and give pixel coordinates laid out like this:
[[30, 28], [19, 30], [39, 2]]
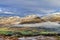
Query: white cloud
[[53, 3], [42, 25], [5, 12], [30, 3], [38, 14], [34, 5], [56, 13], [47, 11], [53, 13], [50, 25]]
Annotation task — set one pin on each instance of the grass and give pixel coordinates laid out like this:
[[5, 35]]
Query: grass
[[20, 33], [6, 31], [48, 33]]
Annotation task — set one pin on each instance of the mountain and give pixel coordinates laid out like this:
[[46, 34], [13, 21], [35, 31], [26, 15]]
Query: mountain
[[52, 17], [30, 19], [21, 20], [9, 20]]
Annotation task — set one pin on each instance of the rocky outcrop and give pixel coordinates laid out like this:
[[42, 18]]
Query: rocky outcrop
[[31, 19], [9, 20], [22, 20], [52, 17]]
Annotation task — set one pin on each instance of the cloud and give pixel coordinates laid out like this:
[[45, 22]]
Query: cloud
[[28, 3], [47, 11], [24, 7], [50, 25], [42, 25], [56, 13], [5, 11], [55, 3]]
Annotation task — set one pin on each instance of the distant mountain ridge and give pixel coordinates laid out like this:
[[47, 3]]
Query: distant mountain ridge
[[29, 19], [52, 17]]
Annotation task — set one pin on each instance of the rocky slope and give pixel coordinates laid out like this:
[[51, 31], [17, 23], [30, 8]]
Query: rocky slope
[[29, 19], [22, 20], [52, 17]]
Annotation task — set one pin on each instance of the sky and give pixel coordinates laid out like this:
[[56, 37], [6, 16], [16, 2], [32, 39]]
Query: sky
[[28, 7]]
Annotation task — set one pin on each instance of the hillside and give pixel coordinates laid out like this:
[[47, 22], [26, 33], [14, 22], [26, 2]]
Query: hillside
[[29, 19], [52, 17], [22, 20]]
